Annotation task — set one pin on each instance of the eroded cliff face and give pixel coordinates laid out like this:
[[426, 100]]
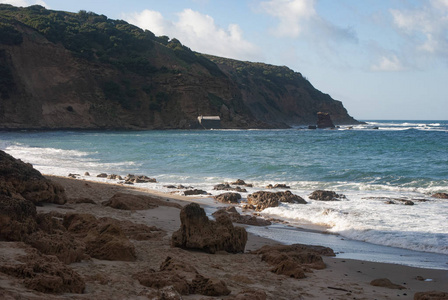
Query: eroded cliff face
[[46, 86]]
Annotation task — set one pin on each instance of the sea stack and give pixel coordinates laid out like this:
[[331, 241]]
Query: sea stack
[[324, 120]]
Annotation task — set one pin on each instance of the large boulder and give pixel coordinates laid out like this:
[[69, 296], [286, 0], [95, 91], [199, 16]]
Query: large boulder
[[22, 179], [294, 260], [198, 232], [17, 218], [324, 120], [262, 199]]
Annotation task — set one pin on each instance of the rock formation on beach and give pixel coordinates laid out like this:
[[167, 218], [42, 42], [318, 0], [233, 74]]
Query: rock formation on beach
[[64, 70], [324, 120], [198, 232]]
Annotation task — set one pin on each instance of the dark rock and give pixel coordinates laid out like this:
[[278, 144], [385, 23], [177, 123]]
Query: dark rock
[[102, 175], [432, 295], [208, 286], [325, 195], [324, 120], [46, 274], [139, 179], [228, 198], [239, 182], [198, 232], [278, 186], [114, 176], [227, 187], [241, 219], [19, 178], [384, 282], [440, 195], [137, 202], [262, 199], [17, 218], [195, 192], [312, 127], [294, 260], [86, 174]]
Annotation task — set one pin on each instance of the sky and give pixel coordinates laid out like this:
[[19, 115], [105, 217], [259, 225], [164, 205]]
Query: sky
[[384, 59]]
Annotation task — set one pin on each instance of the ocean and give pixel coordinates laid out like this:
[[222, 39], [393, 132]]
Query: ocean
[[370, 164]]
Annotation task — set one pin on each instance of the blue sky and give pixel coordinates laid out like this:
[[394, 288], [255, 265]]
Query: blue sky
[[384, 59]]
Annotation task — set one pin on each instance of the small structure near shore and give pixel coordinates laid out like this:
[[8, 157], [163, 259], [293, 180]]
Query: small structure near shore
[[210, 122]]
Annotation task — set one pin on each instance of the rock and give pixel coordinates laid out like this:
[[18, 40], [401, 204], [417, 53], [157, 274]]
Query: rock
[[278, 186], [86, 174], [227, 187], [384, 282], [241, 219], [294, 260], [137, 202], [198, 232], [102, 175], [17, 218], [262, 199], [432, 295], [312, 127], [440, 195], [139, 179], [19, 178], [325, 195], [324, 120], [195, 192], [228, 198], [46, 274], [208, 286], [114, 176], [239, 182], [104, 238]]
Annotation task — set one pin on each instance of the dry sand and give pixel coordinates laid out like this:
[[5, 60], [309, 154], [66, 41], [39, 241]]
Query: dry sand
[[342, 279]]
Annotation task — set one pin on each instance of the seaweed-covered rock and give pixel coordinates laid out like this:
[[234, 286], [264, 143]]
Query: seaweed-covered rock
[[198, 232]]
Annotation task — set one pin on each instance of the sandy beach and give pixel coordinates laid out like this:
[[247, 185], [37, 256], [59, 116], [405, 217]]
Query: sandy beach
[[341, 279]]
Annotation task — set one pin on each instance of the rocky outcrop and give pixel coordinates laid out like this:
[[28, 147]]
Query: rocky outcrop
[[294, 260], [384, 282], [325, 195], [261, 200], [440, 195], [184, 278], [198, 232], [241, 219], [46, 274], [21, 180], [137, 202], [278, 186], [232, 198], [324, 120], [195, 192]]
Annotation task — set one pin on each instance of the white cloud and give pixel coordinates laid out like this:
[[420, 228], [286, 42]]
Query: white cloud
[[24, 3], [298, 18], [199, 32], [292, 15], [425, 27], [388, 64]]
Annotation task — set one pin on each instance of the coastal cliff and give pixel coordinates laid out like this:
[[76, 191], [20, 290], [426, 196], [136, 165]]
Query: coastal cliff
[[61, 70]]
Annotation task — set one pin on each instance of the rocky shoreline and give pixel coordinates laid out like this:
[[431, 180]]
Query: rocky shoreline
[[65, 238]]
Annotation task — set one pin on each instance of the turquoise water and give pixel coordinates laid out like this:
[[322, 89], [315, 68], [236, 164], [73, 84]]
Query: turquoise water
[[400, 159]]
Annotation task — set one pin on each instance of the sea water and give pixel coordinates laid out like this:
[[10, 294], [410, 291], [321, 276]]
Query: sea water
[[370, 164]]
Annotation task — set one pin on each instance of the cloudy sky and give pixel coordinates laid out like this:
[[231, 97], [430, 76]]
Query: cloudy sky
[[384, 59]]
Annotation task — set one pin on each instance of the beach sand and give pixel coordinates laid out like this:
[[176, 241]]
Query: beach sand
[[342, 278]]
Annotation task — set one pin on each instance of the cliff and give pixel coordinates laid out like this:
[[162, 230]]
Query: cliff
[[61, 70]]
